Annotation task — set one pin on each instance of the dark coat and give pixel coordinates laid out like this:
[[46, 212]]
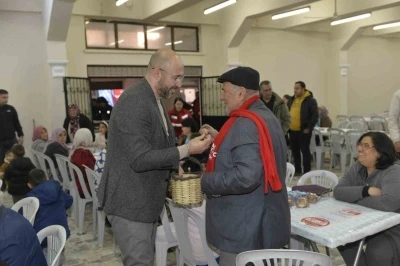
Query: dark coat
[[19, 245], [243, 218], [53, 204], [84, 122], [17, 176], [55, 148], [140, 157], [308, 112]]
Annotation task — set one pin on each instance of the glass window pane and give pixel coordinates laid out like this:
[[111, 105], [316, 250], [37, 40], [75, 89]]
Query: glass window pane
[[130, 36], [100, 34], [185, 39], [158, 37]]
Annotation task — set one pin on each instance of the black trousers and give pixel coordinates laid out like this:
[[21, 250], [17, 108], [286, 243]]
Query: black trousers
[[300, 142], [4, 147]]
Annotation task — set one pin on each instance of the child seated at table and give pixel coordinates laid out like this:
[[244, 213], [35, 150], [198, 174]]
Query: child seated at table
[[101, 137], [9, 157]]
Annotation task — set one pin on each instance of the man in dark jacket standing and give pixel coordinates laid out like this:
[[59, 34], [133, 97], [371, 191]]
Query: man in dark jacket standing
[[9, 125], [247, 206], [304, 112], [275, 104]]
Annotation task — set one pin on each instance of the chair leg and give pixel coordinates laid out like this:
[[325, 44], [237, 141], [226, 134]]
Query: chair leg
[[81, 217], [327, 251], [161, 254], [318, 160], [343, 160], [95, 218], [101, 223]]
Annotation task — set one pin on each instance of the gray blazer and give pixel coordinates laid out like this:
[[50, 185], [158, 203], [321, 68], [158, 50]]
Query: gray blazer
[[244, 218], [140, 157]]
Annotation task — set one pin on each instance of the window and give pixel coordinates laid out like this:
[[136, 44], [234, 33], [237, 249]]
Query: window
[[130, 36], [185, 39], [125, 35], [100, 35]]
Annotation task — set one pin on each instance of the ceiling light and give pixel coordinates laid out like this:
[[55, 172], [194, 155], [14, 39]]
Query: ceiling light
[[156, 29], [386, 26], [87, 22], [291, 13], [177, 42], [120, 2], [219, 6], [345, 20]]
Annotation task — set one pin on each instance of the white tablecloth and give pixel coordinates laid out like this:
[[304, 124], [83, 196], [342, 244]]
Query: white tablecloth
[[325, 130], [334, 223]]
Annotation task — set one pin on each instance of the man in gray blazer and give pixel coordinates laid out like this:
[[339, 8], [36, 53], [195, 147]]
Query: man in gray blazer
[[141, 153], [243, 212]]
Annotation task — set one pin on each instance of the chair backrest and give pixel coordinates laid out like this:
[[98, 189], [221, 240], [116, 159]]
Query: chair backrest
[[48, 161], [358, 125], [319, 177], [34, 159], [357, 118], [290, 169], [338, 140], [94, 181], [343, 124], [342, 118], [30, 206], [276, 257], [353, 137], [62, 167], [72, 169], [378, 123], [56, 238], [41, 161], [181, 216], [166, 226]]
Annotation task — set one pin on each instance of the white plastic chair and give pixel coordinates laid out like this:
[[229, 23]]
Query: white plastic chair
[[339, 146], [318, 150], [353, 137], [62, 167], [378, 123], [361, 119], [342, 118], [34, 159], [41, 161], [81, 201], [320, 177], [165, 239], [282, 257], [99, 216], [343, 124], [357, 125], [56, 238], [30, 207], [180, 216], [290, 170], [47, 160]]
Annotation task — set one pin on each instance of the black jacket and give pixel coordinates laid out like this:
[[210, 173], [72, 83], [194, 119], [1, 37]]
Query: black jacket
[[17, 176], [84, 122], [9, 123], [308, 111]]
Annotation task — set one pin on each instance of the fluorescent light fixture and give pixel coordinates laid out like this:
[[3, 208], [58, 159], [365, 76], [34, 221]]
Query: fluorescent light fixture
[[219, 6], [345, 20], [87, 22], [156, 29], [386, 26], [177, 42], [120, 41], [120, 2], [291, 13]]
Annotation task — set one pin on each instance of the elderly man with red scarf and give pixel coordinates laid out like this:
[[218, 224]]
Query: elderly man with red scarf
[[247, 204]]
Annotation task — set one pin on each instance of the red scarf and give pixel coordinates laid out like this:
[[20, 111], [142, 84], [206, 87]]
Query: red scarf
[[271, 176]]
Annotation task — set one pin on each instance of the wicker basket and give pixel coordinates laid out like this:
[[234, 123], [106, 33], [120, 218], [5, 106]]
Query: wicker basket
[[186, 190]]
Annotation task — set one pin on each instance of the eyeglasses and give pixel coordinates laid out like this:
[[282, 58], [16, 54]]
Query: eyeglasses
[[176, 78], [364, 146]]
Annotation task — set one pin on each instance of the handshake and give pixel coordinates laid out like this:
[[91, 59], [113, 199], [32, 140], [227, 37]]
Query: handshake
[[201, 143]]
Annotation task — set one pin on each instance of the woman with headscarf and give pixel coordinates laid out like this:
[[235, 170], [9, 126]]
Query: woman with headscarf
[[323, 119], [74, 121], [178, 114], [81, 155], [39, 138], [56, 145]]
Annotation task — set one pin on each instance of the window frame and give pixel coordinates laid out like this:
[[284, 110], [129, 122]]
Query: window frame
[[116, 46]]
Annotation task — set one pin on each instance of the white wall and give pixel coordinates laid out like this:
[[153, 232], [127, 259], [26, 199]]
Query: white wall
[[209, 56], [286, 57], [373, 74], [23, 68]]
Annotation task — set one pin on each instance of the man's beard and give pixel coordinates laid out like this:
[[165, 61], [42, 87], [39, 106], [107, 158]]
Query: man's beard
[[163, 91]]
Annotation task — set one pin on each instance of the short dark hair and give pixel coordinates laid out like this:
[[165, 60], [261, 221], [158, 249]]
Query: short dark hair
[[190, 122], [384, 146], [36, 177], [18, 150], [287, 96], [264, 82], [3, 92], [301, 83]]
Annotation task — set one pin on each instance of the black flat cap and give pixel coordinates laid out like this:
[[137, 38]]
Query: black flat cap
[[246, 77]]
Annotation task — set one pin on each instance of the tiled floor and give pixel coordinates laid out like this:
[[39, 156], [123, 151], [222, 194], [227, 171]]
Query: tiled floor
[[83, 250]]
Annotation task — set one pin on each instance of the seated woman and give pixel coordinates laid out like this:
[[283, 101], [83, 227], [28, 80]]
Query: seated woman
[[81, 155], [374, 182], [323, 119], [56, 145], [76, 120], [39, 138]]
